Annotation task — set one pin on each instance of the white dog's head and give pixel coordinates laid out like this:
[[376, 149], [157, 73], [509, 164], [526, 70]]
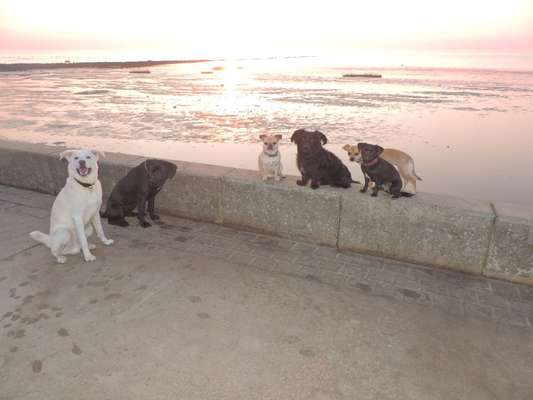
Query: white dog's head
[[82, 164], [270, 144]]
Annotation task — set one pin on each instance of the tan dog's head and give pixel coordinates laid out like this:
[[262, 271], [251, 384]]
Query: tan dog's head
[[353, 153], [82, 164], [270, 143]]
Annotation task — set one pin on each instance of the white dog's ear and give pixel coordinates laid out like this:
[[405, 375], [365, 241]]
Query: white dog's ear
[[278, 137], [99, 154], [346, 147], [66, 154], [262, 137]]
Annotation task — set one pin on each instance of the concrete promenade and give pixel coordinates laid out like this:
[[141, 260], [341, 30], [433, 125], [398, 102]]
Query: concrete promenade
[[190, 310]]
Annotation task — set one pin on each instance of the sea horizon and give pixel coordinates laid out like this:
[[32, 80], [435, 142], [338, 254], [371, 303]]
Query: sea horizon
[[489, 61]]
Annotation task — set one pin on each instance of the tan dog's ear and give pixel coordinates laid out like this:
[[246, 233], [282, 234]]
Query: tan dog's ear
[[346, 147], [66, 154], [262, 137], [278, 137], [99, 154]]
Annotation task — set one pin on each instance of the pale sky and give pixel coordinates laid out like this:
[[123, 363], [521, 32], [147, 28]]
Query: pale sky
[[250, 27]]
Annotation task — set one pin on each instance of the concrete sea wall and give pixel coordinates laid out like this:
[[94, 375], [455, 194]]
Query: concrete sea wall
[[473, 236]]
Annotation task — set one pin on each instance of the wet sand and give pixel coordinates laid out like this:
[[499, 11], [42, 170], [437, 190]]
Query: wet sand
[[469, 132]]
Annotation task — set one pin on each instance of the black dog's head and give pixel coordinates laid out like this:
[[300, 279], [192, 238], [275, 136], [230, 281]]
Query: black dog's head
[[159, 171], [369, 152], [308, 142]]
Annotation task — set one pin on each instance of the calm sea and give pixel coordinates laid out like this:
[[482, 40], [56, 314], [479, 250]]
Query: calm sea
[[469, 130]]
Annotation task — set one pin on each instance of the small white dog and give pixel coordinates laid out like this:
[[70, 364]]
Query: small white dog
[[76, 208], [270, 158]]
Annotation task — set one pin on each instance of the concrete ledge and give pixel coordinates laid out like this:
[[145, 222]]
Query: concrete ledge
[[428, 229], [441, 231], [282, 208], [510, 255], [30, 166]]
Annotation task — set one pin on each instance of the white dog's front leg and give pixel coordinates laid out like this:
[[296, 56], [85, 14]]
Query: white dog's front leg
[[80, 232], [97, 223]]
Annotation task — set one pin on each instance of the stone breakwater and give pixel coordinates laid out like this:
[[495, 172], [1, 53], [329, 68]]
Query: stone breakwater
[[102, 64], [478, 237]]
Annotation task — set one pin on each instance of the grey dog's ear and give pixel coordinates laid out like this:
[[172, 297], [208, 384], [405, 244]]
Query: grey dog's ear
[[172, 168], [297, 135], [66, 154], [379, 149], [323, 137]]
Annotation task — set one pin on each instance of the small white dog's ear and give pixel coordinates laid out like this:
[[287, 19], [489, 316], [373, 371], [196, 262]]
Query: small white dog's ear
[[278, 137], [262, 137], [346, 147], [66, 154], [99, 154]]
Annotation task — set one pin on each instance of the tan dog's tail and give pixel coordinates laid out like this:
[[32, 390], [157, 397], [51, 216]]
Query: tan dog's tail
[[41, 237], [413, 169]]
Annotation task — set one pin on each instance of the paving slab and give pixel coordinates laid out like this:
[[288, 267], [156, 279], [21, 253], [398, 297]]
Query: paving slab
[[193, 310]]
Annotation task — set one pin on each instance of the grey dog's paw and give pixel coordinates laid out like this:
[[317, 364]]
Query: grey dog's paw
[[145, 224]]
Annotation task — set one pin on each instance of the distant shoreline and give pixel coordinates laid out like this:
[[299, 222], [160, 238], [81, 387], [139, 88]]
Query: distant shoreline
[[97, 64]]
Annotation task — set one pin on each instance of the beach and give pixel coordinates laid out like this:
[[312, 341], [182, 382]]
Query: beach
[[469, 131]]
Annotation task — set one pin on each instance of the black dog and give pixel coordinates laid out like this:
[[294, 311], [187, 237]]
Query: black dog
[[379, 171], [137, 188], [316, 163]]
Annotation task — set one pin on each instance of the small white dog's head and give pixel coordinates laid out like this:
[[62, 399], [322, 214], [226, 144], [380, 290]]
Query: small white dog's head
[[270, 143], [82, 164]]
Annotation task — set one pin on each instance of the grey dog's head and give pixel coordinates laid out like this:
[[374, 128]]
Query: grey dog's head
[[308, 142], [159, 171], [369, 152]]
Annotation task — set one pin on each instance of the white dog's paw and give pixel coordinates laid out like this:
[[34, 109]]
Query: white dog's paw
[[61, 259], [92, 246], [89, 257], [108, 242]]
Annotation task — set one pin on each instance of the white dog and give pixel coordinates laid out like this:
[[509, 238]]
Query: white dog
[[270, 159], [76, 208]]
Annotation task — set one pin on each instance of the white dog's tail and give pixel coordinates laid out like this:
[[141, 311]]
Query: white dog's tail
[[41, 237]]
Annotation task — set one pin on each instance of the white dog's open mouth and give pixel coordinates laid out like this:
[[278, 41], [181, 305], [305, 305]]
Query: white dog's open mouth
[[83, 171]]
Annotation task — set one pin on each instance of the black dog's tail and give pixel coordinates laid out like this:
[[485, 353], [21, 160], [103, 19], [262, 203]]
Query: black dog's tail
[[407, 194]]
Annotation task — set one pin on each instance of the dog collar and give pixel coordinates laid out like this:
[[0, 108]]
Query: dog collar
[[374, 161], [273, 155], [85, 185], [150, 177]]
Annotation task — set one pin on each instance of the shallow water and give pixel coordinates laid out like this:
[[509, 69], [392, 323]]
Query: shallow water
[[469, 131]]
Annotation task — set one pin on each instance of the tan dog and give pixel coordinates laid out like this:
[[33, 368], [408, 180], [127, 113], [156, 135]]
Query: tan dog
[[401, 160], [270, 158]]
